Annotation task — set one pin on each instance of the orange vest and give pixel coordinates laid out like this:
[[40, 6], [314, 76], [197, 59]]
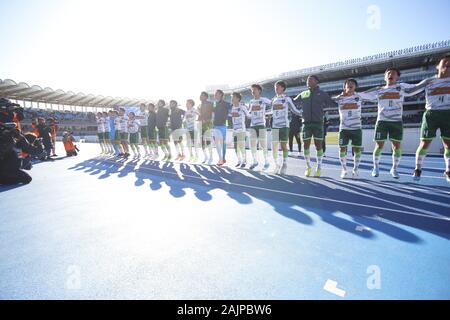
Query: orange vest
[[69, 146]]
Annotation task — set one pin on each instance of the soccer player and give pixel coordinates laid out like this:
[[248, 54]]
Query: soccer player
[[206, 110], [124, 135], [238, 116], [142, 117], [222, 110], [258, 132], [101, 132], [109, 149], [350, 128], [112, 133], [152, 134], [176, 123], [162, 116], [189, 119], [313, 101], [117, 134], [133, 129], [436, 116], [281, 104], [390, 100]]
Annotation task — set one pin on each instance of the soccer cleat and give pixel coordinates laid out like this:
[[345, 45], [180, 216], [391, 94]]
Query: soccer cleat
[[243, 165], [205, 160], [318, 173], [355, 174], [394, 173], [210, 161], [266, 165], [376, 172], [447, 176], [416, 175], [221, 163], [308, 172], [254, 165], [182, 157], [343, 174], [238, 164]]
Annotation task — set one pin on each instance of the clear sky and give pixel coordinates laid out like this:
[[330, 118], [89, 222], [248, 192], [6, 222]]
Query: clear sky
[[173, 49]]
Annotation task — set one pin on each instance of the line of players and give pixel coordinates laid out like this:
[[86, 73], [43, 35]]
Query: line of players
[[118, 131]]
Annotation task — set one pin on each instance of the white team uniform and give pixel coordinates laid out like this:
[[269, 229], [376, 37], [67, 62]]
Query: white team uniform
[[123, 124], [117, 123], [142, 122], [190, 118], [437, 93], [258, 108], [390, 100], [238, 115], [107, 125], [100, 125], [133, 126], [349, 111], [280, 108]]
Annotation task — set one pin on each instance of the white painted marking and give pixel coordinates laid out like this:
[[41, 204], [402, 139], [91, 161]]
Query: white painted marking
[[331, 287], [362, 229]]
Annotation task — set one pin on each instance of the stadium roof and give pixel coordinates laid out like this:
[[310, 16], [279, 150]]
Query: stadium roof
[[406, 58], [22, 91]]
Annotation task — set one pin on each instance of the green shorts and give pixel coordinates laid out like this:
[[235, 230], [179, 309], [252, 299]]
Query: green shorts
[[391, 129], [163, 133], [255, 132], [433, 120], [144, 132], [134, 138], [355, 136], [312, 130], [152, 134], [283, 134], [124, 136], [206, 137], [117, 135], [101, 136]]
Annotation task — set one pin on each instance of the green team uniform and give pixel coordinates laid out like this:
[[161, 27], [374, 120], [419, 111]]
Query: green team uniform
[[433, 120], [280, 107], [355, 136], [389, 129]]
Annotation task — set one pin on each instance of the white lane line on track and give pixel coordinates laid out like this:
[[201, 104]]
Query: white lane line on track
[[433, 216]]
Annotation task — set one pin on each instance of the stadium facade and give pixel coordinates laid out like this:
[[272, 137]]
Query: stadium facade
[[416, 63]]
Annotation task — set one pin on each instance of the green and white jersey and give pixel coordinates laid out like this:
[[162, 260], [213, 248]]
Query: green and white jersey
[[437, 93], [123, 123], [133, 126], [142, 117], [189, 119], [100, 125], [281, 106], [238, 115], [117, 123], [106, 125], [258, 109], [390, 100], [350, 111]]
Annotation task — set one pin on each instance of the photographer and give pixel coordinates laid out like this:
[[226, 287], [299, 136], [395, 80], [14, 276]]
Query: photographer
[[11, 112], [44, 132], [11, 143]]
